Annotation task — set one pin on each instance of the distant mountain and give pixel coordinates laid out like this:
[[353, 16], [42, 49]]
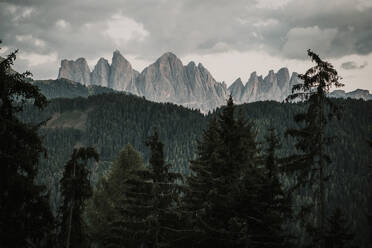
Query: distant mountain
[[166, 80], [191, 85], [274, 86], [356, 94]]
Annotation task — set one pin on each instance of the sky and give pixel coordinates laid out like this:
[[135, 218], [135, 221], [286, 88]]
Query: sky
[[231, 38]]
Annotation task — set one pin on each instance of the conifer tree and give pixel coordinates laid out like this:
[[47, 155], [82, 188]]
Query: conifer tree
[[25, 216], [104, 213], [225, 200], [278, 202], [151, 203], [311, 164], [75, 190]]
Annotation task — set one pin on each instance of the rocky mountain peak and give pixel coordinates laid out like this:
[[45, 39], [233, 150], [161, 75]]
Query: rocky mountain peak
[[77, 70], [101, 72]]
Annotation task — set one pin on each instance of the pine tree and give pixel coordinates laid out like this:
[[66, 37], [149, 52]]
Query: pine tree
[[25, 216], [278, 209], [151, 203], [75, 190], [226, 198], [311, 164], [104, 213], [165, 190], [338, 232]]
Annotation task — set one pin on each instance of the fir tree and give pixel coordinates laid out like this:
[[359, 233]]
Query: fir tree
[[278, 211], [311, 164], [226, 201], [75, 190], [105, 213], [25, 216]]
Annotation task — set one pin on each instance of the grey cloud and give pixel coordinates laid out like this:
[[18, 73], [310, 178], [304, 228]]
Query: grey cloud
[[333, 28], [351, 65]]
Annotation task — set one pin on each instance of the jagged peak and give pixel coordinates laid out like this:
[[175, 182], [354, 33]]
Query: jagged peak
[[118, 56], [168, 55], [102, 60], [238, 81], [191, 64], [81, 59], [201, 66], [283, 70]]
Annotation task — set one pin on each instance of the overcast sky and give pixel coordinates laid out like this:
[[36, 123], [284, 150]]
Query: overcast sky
[[231, 38]]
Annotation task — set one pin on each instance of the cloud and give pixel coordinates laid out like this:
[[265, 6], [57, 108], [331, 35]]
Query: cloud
[[122, 29], [314, 38], [352, 65]]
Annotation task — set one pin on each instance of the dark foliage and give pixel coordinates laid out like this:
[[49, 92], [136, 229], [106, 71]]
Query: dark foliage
[[75, 190], [25, 217]]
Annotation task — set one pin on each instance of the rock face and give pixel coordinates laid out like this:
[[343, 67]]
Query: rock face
[[122, 76], [101, 73], [274, 86], [77, 71], [168, 80]]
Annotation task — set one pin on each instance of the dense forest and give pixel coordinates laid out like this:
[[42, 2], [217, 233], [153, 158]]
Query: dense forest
[[160, 175]]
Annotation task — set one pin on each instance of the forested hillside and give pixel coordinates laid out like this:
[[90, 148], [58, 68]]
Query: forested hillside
[[110, 121], [68, 89]]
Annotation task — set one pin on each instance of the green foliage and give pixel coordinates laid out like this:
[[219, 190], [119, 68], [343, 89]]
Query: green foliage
[[75, 190], [152, 197], [64, 88], [232, 200], [114, 120], [104, 209], [25, 217], [312, 160]]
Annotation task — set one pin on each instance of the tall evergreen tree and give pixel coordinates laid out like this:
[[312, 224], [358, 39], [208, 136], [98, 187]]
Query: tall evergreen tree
[[311, 164], [153, 201], [278, 201], [225, 200], [25, 216], [75, 190], [104, 213]]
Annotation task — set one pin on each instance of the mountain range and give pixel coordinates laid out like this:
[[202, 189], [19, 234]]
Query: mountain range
[[191, 85]]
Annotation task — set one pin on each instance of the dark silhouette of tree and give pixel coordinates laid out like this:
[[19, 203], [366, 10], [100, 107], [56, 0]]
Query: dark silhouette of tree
[[229, 199], [75, 190], [25, 217], [105, 210], [311, 140], [151, 203], [278, 201]]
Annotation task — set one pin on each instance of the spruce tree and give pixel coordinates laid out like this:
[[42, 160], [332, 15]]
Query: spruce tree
[[310, 166], [105, 213], [25, 216], [75, 190], [151, 203], [278, 211], [226, 199]]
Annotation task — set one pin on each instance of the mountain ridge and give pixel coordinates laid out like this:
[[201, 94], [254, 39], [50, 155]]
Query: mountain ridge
[[190, 85]]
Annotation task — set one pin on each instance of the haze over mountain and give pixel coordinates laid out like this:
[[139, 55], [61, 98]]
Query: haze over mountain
[[191, 85]]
